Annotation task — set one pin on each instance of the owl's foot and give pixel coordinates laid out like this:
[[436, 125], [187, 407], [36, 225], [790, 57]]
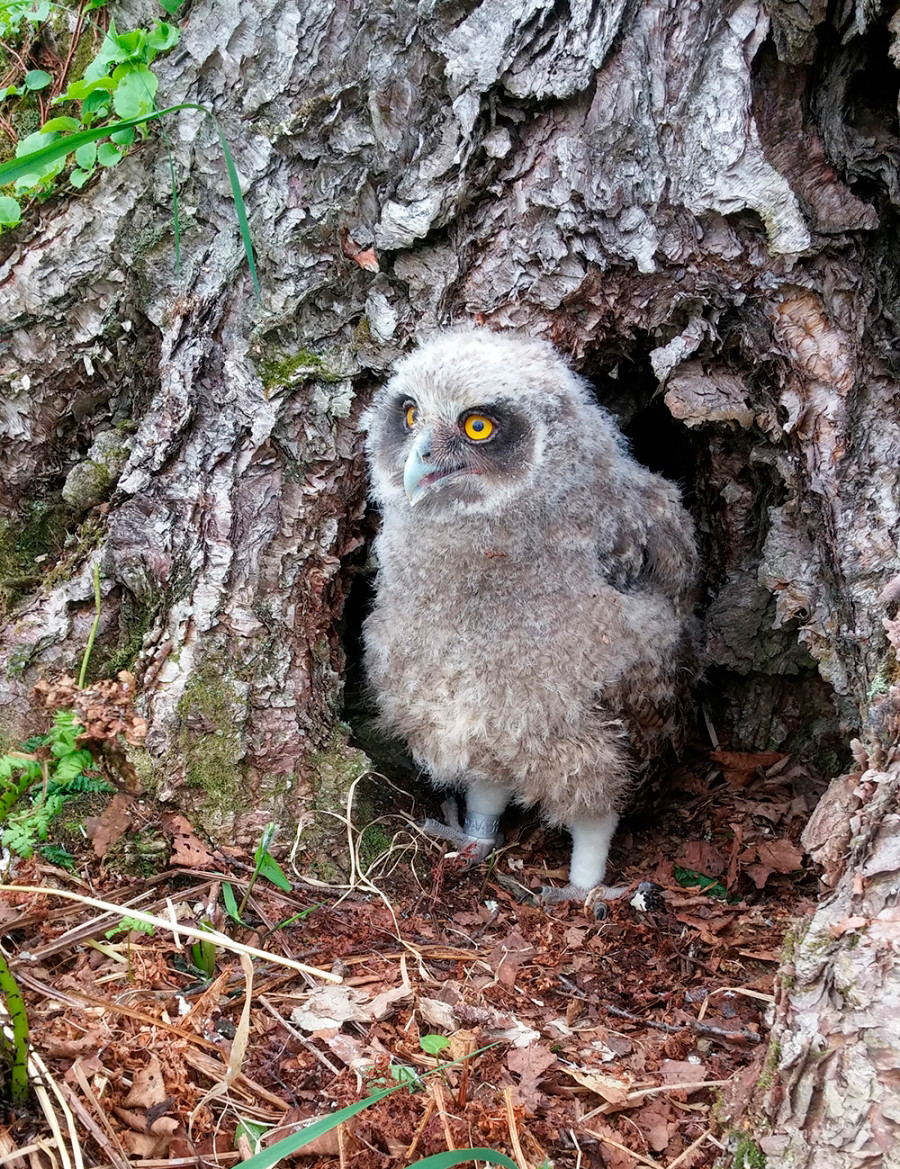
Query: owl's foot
[[593, 900], [471, 847]]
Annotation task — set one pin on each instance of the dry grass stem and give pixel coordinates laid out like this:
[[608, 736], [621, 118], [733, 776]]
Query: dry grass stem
[[681, 1159], [198, 935], [514, 1130], [624, 1149], [420, 1128], [437, 1089]]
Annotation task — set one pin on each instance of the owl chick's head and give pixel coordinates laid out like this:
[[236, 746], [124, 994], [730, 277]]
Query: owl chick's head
[[471, 419]]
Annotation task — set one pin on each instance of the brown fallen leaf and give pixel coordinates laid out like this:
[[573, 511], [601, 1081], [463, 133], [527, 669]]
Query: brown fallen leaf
[[847, 925], [682, 1071], [530, 1064], [72, 1048], [657, 1123], [507, 956], [187, 849], [327, 1145], [115, 819], [740, 767], [613, 1089], [700, 856], [758, 874], [782, 856], [147, 1087]]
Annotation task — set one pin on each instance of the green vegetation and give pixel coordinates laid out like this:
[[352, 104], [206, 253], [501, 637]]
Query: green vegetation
[[405, 1077], [107, 109], [283, 369], [55, 768], [748, 1154], [17, 1046], [136, 616], [115, 83], [767, 1077], [25, 544]]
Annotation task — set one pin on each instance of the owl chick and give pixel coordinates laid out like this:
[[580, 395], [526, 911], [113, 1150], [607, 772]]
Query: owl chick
[[528, 637]]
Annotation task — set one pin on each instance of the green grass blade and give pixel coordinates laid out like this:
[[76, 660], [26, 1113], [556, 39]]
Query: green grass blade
[[280, 1149], [239, 207], [17, 168], [18, 1072], [460, 1156]]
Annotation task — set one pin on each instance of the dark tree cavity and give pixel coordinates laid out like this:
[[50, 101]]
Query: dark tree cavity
[[697, 201]]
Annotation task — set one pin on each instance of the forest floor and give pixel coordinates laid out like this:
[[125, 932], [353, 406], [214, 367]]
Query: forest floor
[[627, 1041]]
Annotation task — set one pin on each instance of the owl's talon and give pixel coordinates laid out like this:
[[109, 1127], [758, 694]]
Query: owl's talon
[[472, 849], [592, 899]]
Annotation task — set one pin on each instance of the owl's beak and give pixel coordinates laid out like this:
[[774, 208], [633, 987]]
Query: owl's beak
[[418, 467]]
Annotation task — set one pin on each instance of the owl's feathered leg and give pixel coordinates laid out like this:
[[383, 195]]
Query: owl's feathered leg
[[478, 836], [591, 838]]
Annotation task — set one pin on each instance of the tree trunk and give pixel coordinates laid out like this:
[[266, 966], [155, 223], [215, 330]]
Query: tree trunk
[[697, 201]]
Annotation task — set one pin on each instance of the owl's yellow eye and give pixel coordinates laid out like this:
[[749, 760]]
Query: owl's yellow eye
[[412, 415], [478, 428]]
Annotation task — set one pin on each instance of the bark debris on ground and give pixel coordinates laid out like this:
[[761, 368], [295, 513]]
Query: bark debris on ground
[[630, 1040]]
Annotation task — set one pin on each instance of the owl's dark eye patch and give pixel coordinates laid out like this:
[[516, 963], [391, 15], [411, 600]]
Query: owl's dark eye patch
[[504, 447]]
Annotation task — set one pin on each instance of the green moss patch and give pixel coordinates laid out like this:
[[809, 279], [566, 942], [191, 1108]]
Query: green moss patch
[[211, 709]]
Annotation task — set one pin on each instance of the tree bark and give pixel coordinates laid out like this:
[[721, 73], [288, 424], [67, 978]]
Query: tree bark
[[697, 201]]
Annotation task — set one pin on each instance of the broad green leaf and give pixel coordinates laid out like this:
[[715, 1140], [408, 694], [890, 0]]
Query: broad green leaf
[[253, 1131], [123, 137], [95, 105], [10, 211], [86, 155], [433, 1044], [272, 871], [133, 47], [34, 147], [108, 155], [135, 91], [110, 52], [171, 6], [79, 90], [163, 37], [37, 79], [79, 177], [60, 124], [33, 143]]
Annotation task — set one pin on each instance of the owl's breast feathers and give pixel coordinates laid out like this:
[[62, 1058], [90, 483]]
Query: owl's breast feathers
[[488, 653]]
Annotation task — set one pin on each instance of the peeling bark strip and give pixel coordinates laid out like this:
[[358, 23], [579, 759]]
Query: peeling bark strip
[[698, 201]]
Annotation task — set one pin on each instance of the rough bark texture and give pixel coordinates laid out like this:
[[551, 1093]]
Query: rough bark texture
[[697, 200]]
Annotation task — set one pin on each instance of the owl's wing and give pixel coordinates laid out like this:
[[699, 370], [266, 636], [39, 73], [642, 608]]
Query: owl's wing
[[653, 540]]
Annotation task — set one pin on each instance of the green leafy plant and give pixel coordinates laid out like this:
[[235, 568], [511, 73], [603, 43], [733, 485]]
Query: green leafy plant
[[434, 1044], [265, 865], [56, 854], [109, 107], [203, 953], [689, 879], [130, 925], [56, 765], [53, 763], [18, 1018], [284, 1148]]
